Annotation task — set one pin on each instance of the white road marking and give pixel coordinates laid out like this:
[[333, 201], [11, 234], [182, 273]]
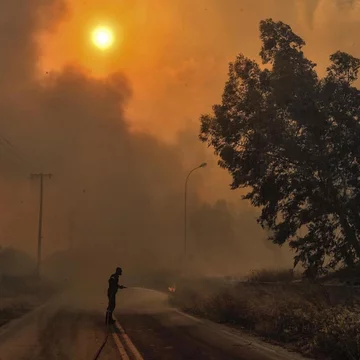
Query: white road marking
[[120, 347], [188, 316], [280, 353], [135, 352]]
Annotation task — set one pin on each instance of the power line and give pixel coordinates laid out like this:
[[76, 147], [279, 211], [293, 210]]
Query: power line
[[14, 150], [13, 153]]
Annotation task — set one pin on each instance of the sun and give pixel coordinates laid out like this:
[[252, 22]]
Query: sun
[[102, 37]]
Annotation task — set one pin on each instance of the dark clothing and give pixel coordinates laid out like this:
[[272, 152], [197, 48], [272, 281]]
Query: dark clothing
[[113, 284], [112, 303], [111, 293]]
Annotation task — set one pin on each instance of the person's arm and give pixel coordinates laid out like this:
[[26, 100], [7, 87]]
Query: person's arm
[[121, 287]]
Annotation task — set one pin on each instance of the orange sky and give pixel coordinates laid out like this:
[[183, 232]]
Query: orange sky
[[176, 52], [164, 48], [142, 39]]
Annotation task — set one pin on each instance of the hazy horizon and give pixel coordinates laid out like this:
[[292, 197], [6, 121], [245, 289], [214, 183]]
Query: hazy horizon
[[118, 130]]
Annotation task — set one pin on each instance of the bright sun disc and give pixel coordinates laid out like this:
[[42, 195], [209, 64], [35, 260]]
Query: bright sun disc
[[102, 37]]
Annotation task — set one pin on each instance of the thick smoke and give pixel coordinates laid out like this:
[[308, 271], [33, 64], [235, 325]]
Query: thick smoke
[[121, 190], [120, 146]]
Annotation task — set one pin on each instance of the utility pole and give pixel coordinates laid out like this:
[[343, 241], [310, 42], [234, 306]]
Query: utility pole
[[41, 176], [185, 211]]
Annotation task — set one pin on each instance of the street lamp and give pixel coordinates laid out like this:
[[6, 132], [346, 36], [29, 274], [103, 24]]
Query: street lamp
[[185, 199]]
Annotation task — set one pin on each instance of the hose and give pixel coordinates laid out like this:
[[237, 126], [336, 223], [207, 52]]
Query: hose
[[107, 332], [106, 336]]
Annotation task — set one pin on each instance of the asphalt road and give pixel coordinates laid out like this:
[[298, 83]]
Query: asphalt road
[[146, 329]]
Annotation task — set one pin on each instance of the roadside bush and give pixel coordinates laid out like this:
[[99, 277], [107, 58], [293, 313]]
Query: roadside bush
[[338, 333], [297, 316], [273, 275]]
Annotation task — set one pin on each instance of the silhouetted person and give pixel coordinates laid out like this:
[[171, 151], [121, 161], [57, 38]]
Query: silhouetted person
[[111, 293]]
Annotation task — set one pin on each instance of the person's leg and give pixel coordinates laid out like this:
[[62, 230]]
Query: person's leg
[[107, 317], [111, 308]]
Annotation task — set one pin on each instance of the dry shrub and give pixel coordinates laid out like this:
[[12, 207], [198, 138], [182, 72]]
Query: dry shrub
[[273, 275], [298, 316], [19, 294], [338, 333]]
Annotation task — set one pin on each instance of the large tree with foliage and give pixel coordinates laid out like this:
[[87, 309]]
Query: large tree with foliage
[[293, 139]]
